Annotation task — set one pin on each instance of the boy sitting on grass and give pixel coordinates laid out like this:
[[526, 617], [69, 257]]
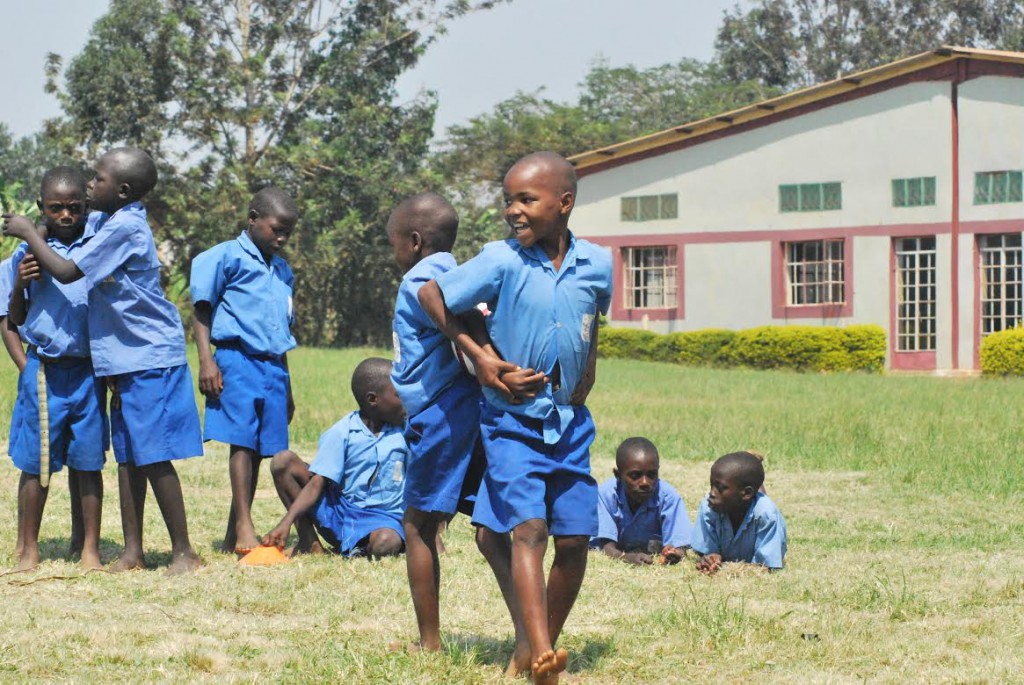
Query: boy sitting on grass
[[352, 492], [737, 522], [640, 518]]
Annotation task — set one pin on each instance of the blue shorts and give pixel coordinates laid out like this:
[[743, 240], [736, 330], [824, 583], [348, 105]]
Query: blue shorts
[[252, 410], [528, 479], [157, 420], [346, 527], [79, 432], [445, 459]]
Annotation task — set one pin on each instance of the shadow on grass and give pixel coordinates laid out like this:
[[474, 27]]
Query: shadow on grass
[[584, 653], [59, 548]]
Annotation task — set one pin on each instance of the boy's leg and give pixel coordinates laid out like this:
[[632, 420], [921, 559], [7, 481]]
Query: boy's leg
[[31, 499], [131, 488], [77, 529], [565, 579], [90, 488], [19, 544], [383, 542], [244, 471], [163, 478], [497, 550], [290, 475], [424, 570]]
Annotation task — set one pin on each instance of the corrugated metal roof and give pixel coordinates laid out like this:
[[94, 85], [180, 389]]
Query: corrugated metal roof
[[775, 106]]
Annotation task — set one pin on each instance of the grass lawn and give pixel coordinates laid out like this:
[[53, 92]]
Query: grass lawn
[[902, 497]]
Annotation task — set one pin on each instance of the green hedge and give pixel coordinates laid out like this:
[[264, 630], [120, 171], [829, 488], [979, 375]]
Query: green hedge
[[1002, 353], [804, 348]]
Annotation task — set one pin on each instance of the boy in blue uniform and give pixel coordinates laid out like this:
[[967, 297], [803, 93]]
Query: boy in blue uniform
[[15, 350], [52, 318], [639, 516], [138, 344], [545, 289], [242, 294], [737, 522], [443, 407], [352, 492]]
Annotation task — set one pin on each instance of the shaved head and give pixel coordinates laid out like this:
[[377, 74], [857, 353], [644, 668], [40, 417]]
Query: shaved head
[[742, 467], [428, 214], [634, 447], [553, 165], [273, 201], [132, 166], [372, 375], [68, 177]]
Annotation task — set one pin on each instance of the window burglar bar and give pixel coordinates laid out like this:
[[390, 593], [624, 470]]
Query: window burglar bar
[[915, 293], [816, 272], [1000, 257], [650, 277]]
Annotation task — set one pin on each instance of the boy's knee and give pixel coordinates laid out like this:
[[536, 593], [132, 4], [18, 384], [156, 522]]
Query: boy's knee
[[384, 542], [490, 543], [280, 463], [532, 533], [574, 545]]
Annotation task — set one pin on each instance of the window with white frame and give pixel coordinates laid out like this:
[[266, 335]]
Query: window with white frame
[[650, 277], [915, 294], [816, 272], [1000, 270]]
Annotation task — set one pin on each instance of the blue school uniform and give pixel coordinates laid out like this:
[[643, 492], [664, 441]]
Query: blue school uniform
[[442, 402], [56, 331], [760, 539], [135, 334], [251, 328], [538, 458], [366, 475], [663, 517], [6, 284]]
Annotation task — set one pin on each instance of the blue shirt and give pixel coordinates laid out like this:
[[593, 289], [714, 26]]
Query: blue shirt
[[425, 365], [57, 320], [761, 538], [132, 326], [6, 285], [663, 515], [369, 469], [251, 300], [539, 316]]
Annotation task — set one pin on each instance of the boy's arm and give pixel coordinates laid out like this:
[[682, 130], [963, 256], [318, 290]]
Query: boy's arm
[[27, 271], [705, 541], [488, 368], [306, 500], [613, 550], [12, 342], [586, 382], [211, 382], [64, 270], [522, 383], [291, 398]]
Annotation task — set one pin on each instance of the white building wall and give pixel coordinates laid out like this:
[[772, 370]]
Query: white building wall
[[720, 296]]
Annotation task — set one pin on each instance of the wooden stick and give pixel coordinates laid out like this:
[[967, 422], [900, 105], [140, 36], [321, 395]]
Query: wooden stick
[[44, 427]]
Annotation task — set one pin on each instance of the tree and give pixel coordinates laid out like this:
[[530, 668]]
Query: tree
[[231, 95]]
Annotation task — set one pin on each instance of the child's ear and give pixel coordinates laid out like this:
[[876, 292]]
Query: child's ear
[[253, 215], [417, 241], [565, 203], [615, 472], [124, 191], [39, 204], [371, 399], [749, 492]]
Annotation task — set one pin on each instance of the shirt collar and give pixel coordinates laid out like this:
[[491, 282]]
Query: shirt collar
[[441, 258], [250, 247], [537, 254]]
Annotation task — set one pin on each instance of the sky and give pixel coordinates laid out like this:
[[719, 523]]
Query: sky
[[485, 57]]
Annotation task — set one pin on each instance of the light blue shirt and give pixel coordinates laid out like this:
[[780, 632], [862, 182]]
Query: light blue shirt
[[57, 320], [132, 326], [539, 316], [369, 469], [663, 515], [761, 538], [251, 300], [425, 365], [6, 285]]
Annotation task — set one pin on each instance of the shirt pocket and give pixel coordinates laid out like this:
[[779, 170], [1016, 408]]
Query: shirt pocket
[[587, 307]]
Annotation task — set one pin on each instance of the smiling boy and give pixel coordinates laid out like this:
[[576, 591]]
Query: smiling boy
[[242, 294], [735, 521], [640, 517]]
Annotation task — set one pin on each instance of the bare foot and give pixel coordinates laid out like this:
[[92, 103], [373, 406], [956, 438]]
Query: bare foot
[[246, 539], [186, 562], [519, 665], [548, 665], [228, 546], [75, 548], [29, 559], [311, 548], [91, 559], [128, 562]]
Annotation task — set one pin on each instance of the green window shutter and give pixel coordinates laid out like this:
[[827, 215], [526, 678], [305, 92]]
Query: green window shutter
[[831, 196], [789, 199], [810, 197], [928, 196], [648, 207], [669, 206], [629, 209], [1000, 183], [1015, 193], [981, 188], [899, 192]]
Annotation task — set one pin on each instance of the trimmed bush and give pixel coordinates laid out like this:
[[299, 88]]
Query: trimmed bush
[[1002, 353], [803, 348]]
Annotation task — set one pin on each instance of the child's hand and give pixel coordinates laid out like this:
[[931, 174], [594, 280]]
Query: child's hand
[[18, 226], [211, 382], [28, 270], [671, 555], [277, 537], [710, 563], [489, 370], [524, 383], [638, 558], [291, 405]]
